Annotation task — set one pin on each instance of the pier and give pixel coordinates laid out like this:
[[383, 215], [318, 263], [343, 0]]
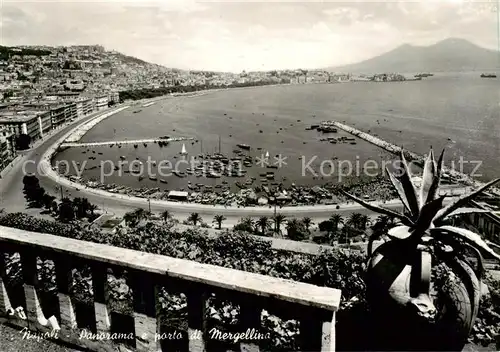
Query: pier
[[417, 159], [136, 141]]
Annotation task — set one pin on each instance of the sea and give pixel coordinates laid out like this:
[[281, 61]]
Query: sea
[[458, 112]]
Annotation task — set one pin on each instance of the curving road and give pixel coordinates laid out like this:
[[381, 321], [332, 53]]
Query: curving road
[[12, 199]]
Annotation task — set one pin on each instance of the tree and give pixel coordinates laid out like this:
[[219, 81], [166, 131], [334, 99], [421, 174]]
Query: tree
[[335, 220], [133, 218], [245, 224], [382, 225], [32, 191], [92, 209], [66, 210], [278, 220], [195, 218], [218, 219], [166, 215], [47, 201], [54, 206], [296, 230], [307, 221], [23, 141], [263, 223]]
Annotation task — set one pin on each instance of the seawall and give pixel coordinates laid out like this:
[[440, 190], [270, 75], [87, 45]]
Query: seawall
[[80, 131]]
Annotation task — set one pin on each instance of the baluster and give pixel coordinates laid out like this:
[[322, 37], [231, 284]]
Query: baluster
[[5, 306], [145, 290], [34, 312], [100, 286], [197, 306], [317, 330], [250, 318], [64, 279]]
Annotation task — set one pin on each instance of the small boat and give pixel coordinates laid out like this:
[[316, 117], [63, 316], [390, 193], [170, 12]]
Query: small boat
[[141, 178], [272, 166], [123, 157], [145, 144], [153, 178], [135, 146], [163, 181], [488, 76], [183, 150], [99, 153], [179, 174], [244, 146]]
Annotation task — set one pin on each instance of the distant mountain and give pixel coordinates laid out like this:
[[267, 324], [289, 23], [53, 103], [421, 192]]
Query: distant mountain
[[449, 55]]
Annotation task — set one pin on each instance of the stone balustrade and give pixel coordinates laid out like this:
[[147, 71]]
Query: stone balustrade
[[312, 306]]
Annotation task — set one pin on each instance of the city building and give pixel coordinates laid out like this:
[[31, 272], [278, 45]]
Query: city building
[[7, 151], [101, 102], [84, 106], [58, 114], [21, 123]]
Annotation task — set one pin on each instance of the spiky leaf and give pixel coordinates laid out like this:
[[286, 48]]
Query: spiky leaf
[[399, 232], [408, 186], [404, 219], [468, 236], [401, 192], [460, 211], [433, 190], [462, 201], [427, 178], [427, 214]]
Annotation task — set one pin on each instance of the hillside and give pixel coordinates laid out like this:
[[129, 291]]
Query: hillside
[[450, 55]]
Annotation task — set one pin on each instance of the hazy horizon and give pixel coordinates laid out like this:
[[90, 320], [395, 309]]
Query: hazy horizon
[[251, 36]]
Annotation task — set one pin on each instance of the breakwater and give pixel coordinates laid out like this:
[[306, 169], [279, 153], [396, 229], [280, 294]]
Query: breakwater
[[415, 158]]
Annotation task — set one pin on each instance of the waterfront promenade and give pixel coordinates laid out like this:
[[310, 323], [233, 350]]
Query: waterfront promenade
[[134, 141]]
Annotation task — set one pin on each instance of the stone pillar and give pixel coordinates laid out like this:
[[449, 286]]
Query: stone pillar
[[99, 283], [196, 304], [5, 306], [145, 290], [33, 312], [317, 330], [250, 318], [64, 280]]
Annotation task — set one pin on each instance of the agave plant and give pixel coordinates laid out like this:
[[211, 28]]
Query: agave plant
[[399, 271]]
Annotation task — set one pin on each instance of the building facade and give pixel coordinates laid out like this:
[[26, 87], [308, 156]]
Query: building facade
[[22, 123], [7, 152], [101, 102]]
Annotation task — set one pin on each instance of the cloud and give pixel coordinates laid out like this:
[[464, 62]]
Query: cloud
[[245, 35]]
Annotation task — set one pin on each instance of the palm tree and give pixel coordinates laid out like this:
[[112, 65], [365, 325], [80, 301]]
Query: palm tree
[[133, 218], [278, 220], [194, 218], [166, 215], [263, 223], [335, 221], [423, 240], [92, 208], [307, 221], [245, 224], [218, 219]]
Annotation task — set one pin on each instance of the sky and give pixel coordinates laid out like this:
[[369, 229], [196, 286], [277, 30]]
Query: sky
[[226, 35]]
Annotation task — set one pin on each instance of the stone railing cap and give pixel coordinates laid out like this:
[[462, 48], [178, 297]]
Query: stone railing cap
[[211, 275]]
